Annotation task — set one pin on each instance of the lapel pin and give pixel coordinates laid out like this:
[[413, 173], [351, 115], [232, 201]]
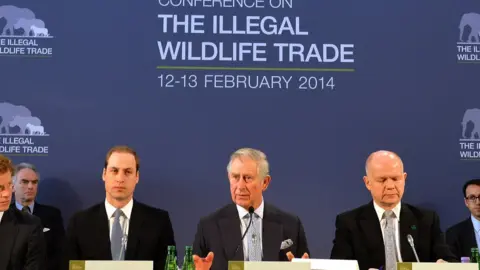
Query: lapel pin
[[413, 227]]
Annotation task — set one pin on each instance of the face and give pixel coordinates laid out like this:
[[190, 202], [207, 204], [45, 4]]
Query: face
[[26, 185], [246, 185], [120, 177], [386, 181], [472, 200], [6, 189]]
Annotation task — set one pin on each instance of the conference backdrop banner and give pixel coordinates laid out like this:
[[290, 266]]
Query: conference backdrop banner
[[316, 85]]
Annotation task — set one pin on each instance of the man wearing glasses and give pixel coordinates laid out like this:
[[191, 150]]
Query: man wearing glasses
[[465, 235]]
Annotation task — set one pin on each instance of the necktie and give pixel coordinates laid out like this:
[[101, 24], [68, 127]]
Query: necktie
[[253, 238], [390, 254], [117, 243], [26, 209]]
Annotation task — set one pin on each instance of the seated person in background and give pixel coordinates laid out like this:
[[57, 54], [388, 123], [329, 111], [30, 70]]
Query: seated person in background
[[465, 235]]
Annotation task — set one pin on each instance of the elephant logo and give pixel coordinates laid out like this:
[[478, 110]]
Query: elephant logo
[[23, 20], [472, 20], [19, 117], [471, 116]]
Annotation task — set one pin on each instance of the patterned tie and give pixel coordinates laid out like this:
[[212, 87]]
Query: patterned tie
[[253, 238], [390, 254], [117, 245], [26, 209]]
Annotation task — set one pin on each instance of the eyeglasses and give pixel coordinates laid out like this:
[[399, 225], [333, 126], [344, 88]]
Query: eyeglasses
[[473, 198]]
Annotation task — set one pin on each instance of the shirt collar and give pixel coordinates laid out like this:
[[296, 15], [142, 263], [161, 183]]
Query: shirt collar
[[127, 209], [259, 211], [1, 215], [380, 210], [20, 207], [476, 223]]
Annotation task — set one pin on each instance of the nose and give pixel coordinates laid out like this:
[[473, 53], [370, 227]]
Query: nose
[[390, 184]]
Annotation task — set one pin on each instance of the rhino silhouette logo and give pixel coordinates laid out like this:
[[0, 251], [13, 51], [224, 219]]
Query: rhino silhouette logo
[[21, 18], [19, 116], [473, 21], [473, 116]]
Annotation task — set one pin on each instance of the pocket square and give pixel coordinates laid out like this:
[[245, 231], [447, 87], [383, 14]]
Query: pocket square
[[286, 244], [46, 229]]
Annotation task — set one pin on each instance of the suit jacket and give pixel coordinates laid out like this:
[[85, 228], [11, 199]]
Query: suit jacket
[[54, 233], [461, 238], [150, 232], [358, 236], [220, 233], [22, 244]]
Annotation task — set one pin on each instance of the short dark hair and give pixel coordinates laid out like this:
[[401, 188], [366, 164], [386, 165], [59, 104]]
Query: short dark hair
[[475, 182], [122, 149], [6, 165]]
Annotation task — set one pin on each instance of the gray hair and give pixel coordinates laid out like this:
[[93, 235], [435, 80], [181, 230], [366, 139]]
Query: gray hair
[[256, 155], [25, 165]]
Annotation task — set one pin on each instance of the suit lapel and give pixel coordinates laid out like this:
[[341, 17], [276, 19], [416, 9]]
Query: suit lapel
[[134, 230], [408, 225], [272, 234], [372, 233], [231, 234], [103, 233], [8, 233]]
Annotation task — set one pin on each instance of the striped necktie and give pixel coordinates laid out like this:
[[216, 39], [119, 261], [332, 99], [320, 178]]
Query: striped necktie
[[390, 250]]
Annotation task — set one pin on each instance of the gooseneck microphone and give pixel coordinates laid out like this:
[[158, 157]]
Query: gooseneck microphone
[[410, 241], [250, 212]]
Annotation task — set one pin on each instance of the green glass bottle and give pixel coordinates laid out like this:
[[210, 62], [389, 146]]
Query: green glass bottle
[[171, 261], [474, 255], [188, 259]]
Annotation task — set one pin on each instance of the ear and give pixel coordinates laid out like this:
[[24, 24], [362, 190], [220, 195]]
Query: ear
[[367, 182], [138, 176], [266, 182], [103, 174], [405, 176], [465, 200]]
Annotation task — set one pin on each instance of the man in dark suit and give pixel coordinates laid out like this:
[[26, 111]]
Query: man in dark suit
[[376, 234], [273, 235], [22, 245], [25, 186], [120, 228], [464, 236]]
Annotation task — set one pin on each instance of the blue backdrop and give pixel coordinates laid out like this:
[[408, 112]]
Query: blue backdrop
[[100, 78]]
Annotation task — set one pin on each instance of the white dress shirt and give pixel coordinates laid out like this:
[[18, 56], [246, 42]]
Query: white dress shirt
[[396, 222], [124, 219], [476, 228], [1, 215], [244, 223]]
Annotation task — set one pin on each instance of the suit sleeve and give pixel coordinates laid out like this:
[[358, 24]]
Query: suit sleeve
[[342, 244], [451, 238], [168, 239], [36, 257], [71, 250], [59, 239], [302, 241], [440, 248], [199, 245]]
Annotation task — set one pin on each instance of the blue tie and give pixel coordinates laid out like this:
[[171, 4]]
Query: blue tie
[[254, 239], [117, 245]]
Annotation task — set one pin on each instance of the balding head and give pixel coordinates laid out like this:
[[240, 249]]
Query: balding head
[[385, 178], [382, 158]]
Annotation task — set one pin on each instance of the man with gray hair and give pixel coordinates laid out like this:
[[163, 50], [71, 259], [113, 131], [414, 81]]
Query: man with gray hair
[[249, 229], [26, 181]]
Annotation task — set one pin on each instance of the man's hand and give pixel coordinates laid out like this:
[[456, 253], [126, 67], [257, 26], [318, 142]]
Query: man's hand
[[290, 256], [203, 263], [441, 261]]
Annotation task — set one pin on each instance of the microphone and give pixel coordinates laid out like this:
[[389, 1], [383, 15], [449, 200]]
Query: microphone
[[410, 241], [250, 211]]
